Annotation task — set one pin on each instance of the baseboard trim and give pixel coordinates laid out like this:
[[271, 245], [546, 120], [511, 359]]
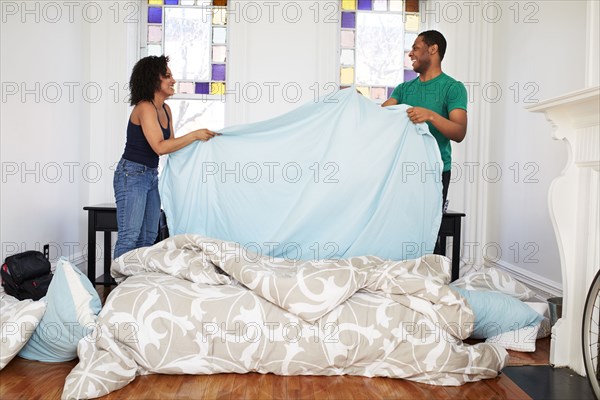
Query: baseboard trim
[[78, 259], [543, 287]]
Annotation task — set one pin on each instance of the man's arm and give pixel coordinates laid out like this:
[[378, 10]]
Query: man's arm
[[389, 102], [454, 128]]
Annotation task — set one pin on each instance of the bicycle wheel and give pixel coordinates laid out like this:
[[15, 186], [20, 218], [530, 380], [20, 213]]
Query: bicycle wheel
[[591, 332]]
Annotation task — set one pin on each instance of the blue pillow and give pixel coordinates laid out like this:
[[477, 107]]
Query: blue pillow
[[496, 312], [73, 304]]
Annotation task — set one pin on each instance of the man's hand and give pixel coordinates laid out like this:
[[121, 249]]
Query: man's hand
[[419, 114]]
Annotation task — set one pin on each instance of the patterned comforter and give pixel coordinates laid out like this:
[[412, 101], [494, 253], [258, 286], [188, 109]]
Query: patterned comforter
[[195, 305]]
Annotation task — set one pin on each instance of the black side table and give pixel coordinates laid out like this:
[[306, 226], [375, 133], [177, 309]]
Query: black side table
[[101, 218], [450, 226]]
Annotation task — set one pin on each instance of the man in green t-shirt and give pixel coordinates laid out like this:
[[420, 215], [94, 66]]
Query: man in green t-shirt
[[435, 97]]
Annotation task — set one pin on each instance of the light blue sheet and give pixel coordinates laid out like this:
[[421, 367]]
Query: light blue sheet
[[334, 178]]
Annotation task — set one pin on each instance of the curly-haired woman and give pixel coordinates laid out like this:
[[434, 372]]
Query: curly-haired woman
[[149, 135]]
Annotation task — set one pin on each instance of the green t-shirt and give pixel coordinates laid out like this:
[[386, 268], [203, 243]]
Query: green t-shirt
[[441, 94]]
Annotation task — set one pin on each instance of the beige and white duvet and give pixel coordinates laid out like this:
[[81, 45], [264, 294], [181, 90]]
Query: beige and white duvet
[[195, 305]]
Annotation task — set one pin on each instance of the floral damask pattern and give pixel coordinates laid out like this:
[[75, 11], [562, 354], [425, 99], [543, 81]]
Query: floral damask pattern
[[196, 305]]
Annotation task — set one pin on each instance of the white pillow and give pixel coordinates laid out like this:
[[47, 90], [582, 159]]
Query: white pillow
[[18, 320], [494, 279], [539, 307], [73, 304], [520, 340]]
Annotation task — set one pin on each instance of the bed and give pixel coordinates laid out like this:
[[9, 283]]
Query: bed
[[196, 305]]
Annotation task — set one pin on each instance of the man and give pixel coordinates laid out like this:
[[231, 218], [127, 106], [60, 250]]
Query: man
[[435, 97]]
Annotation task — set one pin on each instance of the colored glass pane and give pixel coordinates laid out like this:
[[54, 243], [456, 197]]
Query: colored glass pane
[[154, 15], [219, 34], [347, 57], [380, 5], [154, 50], [188, 58], [219, 54], [154, 34], [220, 3], [202, 88], [407, 61], [412, 6], [186, 87], [396, 5], [348, 4], [412, 23], [409, 40], [347, 39], [171, 2], [379, 49], [390, 90], [189, 115], [365, 4], [348, 20], [409, 75], [364, 90], [218, 72], [378, 93], [155, 2], [219, 17], [347, 76], [217, 88]]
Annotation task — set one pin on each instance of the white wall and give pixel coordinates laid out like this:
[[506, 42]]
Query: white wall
[[543, 59], [68, 56], [43, 130]]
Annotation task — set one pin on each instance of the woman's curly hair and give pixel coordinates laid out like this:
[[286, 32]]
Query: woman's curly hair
[[145, 78]]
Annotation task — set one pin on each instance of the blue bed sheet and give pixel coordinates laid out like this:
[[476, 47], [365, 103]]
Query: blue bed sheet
[[334, 178]]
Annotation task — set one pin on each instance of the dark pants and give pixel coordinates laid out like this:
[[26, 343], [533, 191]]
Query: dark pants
[[445, 184]]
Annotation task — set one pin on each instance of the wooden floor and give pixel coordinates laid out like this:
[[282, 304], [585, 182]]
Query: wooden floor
[[23, 379]]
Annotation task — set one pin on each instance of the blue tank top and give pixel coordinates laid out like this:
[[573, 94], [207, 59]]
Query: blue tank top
[[137, 148]]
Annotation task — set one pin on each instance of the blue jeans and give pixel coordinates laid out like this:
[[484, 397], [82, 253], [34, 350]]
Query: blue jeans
[[138, 205]]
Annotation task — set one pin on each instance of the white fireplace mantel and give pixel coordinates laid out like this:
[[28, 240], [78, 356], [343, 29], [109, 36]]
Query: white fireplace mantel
[[573, 201]]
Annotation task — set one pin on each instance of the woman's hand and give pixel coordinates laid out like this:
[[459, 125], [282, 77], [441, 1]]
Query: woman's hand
[[204, 134]]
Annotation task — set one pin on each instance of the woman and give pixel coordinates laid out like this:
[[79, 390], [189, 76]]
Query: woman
[[149, 135]]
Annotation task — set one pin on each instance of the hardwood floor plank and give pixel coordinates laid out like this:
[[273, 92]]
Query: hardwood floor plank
[[212, 389], [320, 387], [194, 386], [306, 388], [279, 387], [239, 386], [253, 384], [265, 383]]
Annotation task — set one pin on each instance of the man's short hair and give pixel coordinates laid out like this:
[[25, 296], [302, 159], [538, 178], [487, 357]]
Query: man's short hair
[[434, 37]]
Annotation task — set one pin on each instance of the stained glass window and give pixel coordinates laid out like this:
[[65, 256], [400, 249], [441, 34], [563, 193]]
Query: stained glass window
[[375, 39], [193, 33]]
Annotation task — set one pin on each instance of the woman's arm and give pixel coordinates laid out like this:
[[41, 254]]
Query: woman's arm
[[153, 132]]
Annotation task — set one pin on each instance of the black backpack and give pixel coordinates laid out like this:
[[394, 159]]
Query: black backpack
[[27, 275]]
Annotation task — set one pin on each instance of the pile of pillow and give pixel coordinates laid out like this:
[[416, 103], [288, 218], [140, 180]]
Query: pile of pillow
[[18, 320], [50, 329], [502, 315]]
